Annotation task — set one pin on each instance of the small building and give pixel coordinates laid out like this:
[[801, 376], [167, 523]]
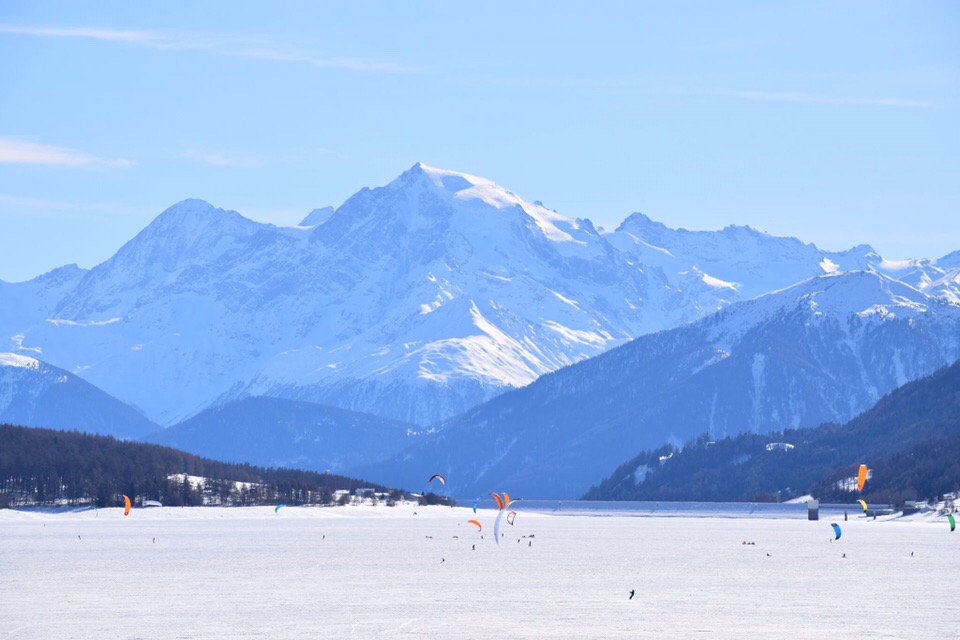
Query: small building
[[813, 510], [779, 446], [911, 506]]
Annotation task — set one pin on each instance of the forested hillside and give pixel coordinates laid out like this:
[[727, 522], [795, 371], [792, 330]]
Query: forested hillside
[[910, 439], [47, 467]]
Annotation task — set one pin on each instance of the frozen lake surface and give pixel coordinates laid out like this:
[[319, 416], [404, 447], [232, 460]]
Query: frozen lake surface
[[376, 572]]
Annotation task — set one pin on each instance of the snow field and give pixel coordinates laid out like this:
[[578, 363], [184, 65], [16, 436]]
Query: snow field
[[251, 573]]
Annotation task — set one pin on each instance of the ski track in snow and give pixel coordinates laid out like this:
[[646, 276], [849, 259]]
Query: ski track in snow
[[250, 573]]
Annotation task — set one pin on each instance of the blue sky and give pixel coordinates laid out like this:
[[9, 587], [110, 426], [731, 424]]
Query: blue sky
[[838, 123]]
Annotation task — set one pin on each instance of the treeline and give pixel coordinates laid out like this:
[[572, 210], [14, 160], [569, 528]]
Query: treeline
[[925, 472], [736, 469], [47, 467], [910, 439]]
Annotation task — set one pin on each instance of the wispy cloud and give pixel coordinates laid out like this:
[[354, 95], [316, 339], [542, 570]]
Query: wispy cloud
[[13, 205], [18, 150], [221, 160], [261, 48], [800, 97], [78, 32]]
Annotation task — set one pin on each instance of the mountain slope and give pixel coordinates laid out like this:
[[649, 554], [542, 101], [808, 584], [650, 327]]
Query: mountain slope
[[35, 394], [893, 437], [31, 302], [415, 301], [160, 324], [276, 432], [450, 289], [820, 351]]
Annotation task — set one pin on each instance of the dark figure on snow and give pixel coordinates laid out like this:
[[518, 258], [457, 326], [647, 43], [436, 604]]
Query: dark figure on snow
[[442, 560], [631, 594]]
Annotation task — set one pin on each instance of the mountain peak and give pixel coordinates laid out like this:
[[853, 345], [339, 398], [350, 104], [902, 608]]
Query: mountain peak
[[18, 361], [194, 217], [60, 275], [637, 220], [744, 229], [189, 230], [452, 182], [862, 293], [950, 261], [861, 250], [317, 217], [454, 188], [189, 207]]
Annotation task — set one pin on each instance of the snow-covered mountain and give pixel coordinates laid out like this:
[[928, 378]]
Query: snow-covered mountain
[[168, 321], [275, 432], [414, 301], [317, 217], [22, 304], [739, 262], [443, 289], [940, 277], [822, 350], [35, 394]]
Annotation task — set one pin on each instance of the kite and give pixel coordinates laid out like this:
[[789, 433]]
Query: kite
[[511, 517], [836, 530], [277, 508], [496, 528], [437, 476], [475, 503], [496, 523], [953, 523], [126, 506], [499, 501], [861, 477], [863, 504], [479, 526]]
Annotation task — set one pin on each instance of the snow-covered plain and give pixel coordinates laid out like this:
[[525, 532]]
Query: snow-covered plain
[[376, 572]]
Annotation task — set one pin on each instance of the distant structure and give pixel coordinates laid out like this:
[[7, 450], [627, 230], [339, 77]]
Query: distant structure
[[912, 506], [813, 509], [779, 446]]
